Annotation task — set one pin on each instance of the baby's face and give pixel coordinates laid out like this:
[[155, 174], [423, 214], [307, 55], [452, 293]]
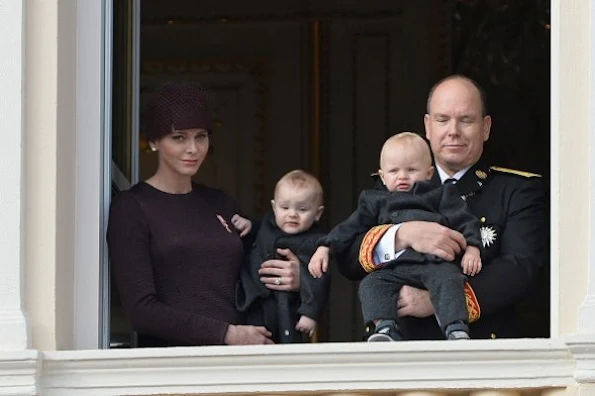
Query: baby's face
[[404, 165], [295, 209]]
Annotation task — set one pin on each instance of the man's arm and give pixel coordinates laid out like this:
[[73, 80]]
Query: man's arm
[[421, 236], [506, 279], [348, 261]]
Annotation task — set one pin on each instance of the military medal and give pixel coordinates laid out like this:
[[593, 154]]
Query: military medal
[[481, 174], [488, 236]]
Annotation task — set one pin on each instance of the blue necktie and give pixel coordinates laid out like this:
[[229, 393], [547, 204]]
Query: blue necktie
[[450, 181]]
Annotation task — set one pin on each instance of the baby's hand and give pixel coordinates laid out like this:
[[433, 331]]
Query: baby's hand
[[319, 262], [241, 224], [471, 261], [306, 325]]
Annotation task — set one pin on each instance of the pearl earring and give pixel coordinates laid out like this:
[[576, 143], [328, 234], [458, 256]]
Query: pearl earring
[[153, 148]]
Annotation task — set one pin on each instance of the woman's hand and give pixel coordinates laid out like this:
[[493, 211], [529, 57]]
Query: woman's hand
[[247, 335], [281, 275], [430, 238]]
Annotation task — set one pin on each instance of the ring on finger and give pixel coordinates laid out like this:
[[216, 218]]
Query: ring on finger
[[279, 281]]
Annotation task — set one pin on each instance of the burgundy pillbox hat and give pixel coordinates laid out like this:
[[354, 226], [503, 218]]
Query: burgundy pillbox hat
[[181, 105]]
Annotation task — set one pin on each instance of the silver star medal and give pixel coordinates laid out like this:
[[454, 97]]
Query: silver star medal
[[488, 236]]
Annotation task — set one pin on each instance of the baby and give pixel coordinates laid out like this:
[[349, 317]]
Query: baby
[[293, 224], [407, 195]]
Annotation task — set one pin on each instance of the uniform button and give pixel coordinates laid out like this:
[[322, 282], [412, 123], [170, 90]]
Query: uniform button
[[493, 336], [482, 220]]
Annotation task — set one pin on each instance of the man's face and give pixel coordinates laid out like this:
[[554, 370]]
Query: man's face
[[455, 126]]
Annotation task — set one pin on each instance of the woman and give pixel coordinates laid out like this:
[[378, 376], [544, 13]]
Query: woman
[[173, 250]]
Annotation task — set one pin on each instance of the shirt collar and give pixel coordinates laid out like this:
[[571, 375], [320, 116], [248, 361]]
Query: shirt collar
[[443, 175]]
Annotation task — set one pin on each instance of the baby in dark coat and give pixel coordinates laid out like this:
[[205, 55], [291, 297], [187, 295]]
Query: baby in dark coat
[[407, 195], [297, 207]]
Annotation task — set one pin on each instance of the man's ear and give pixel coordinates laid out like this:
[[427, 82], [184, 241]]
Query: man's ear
[[381, 174], [427, 125], [487, 127], [273, 204], [319, 212]]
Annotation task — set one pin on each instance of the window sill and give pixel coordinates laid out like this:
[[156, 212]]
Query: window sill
[[480, 364]]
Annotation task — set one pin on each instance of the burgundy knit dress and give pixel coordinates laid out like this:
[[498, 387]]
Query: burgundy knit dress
[[175, 263]]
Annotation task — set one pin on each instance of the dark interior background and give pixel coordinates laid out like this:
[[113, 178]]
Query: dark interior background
[[320, 84]]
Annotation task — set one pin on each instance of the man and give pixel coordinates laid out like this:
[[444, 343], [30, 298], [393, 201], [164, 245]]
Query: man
[[510, 206]]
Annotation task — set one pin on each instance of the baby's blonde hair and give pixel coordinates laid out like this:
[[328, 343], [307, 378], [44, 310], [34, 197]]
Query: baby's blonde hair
[[301, 179], [407, 139]]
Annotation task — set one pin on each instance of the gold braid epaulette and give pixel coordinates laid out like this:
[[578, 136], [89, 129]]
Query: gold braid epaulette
[[366, 251], [514, 171], [472, 304]]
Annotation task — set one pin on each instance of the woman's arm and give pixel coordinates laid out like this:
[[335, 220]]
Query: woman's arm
[[281, 275]]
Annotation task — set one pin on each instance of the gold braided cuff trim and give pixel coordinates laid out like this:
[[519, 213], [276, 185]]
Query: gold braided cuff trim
[[472, 304], [366, 251]]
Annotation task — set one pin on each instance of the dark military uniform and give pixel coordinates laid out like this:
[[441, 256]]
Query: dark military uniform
[[279, 311], [378, 292], [511, 207]]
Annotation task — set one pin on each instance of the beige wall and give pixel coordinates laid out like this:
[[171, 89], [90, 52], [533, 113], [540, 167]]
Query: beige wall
[[570, 145], [49, 171], [50, 167]]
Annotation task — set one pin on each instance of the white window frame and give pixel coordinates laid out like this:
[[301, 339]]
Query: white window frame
[[93, 174], [93, 108]]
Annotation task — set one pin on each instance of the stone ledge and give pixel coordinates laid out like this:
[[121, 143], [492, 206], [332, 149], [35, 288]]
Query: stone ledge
[[346, 367], [582, 348], [19, 371], [481, 364]]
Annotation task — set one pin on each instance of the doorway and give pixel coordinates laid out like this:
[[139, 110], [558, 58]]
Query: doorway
[[313, 85]]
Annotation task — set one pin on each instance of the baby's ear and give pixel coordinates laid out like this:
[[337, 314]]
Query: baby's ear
[[319, 212], [381, 174], [430, 172]]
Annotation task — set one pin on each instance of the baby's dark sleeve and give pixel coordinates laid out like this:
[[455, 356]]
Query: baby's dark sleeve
[[359, 222]]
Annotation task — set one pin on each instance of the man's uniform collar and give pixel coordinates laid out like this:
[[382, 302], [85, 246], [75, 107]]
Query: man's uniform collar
[[470, 182], [443, 175]]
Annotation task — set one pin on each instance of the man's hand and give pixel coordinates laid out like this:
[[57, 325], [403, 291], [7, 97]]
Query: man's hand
[[247, 335], [281, 275], [430, 238], [471, 261], [319, 262], [241, 224], [414, 302]]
